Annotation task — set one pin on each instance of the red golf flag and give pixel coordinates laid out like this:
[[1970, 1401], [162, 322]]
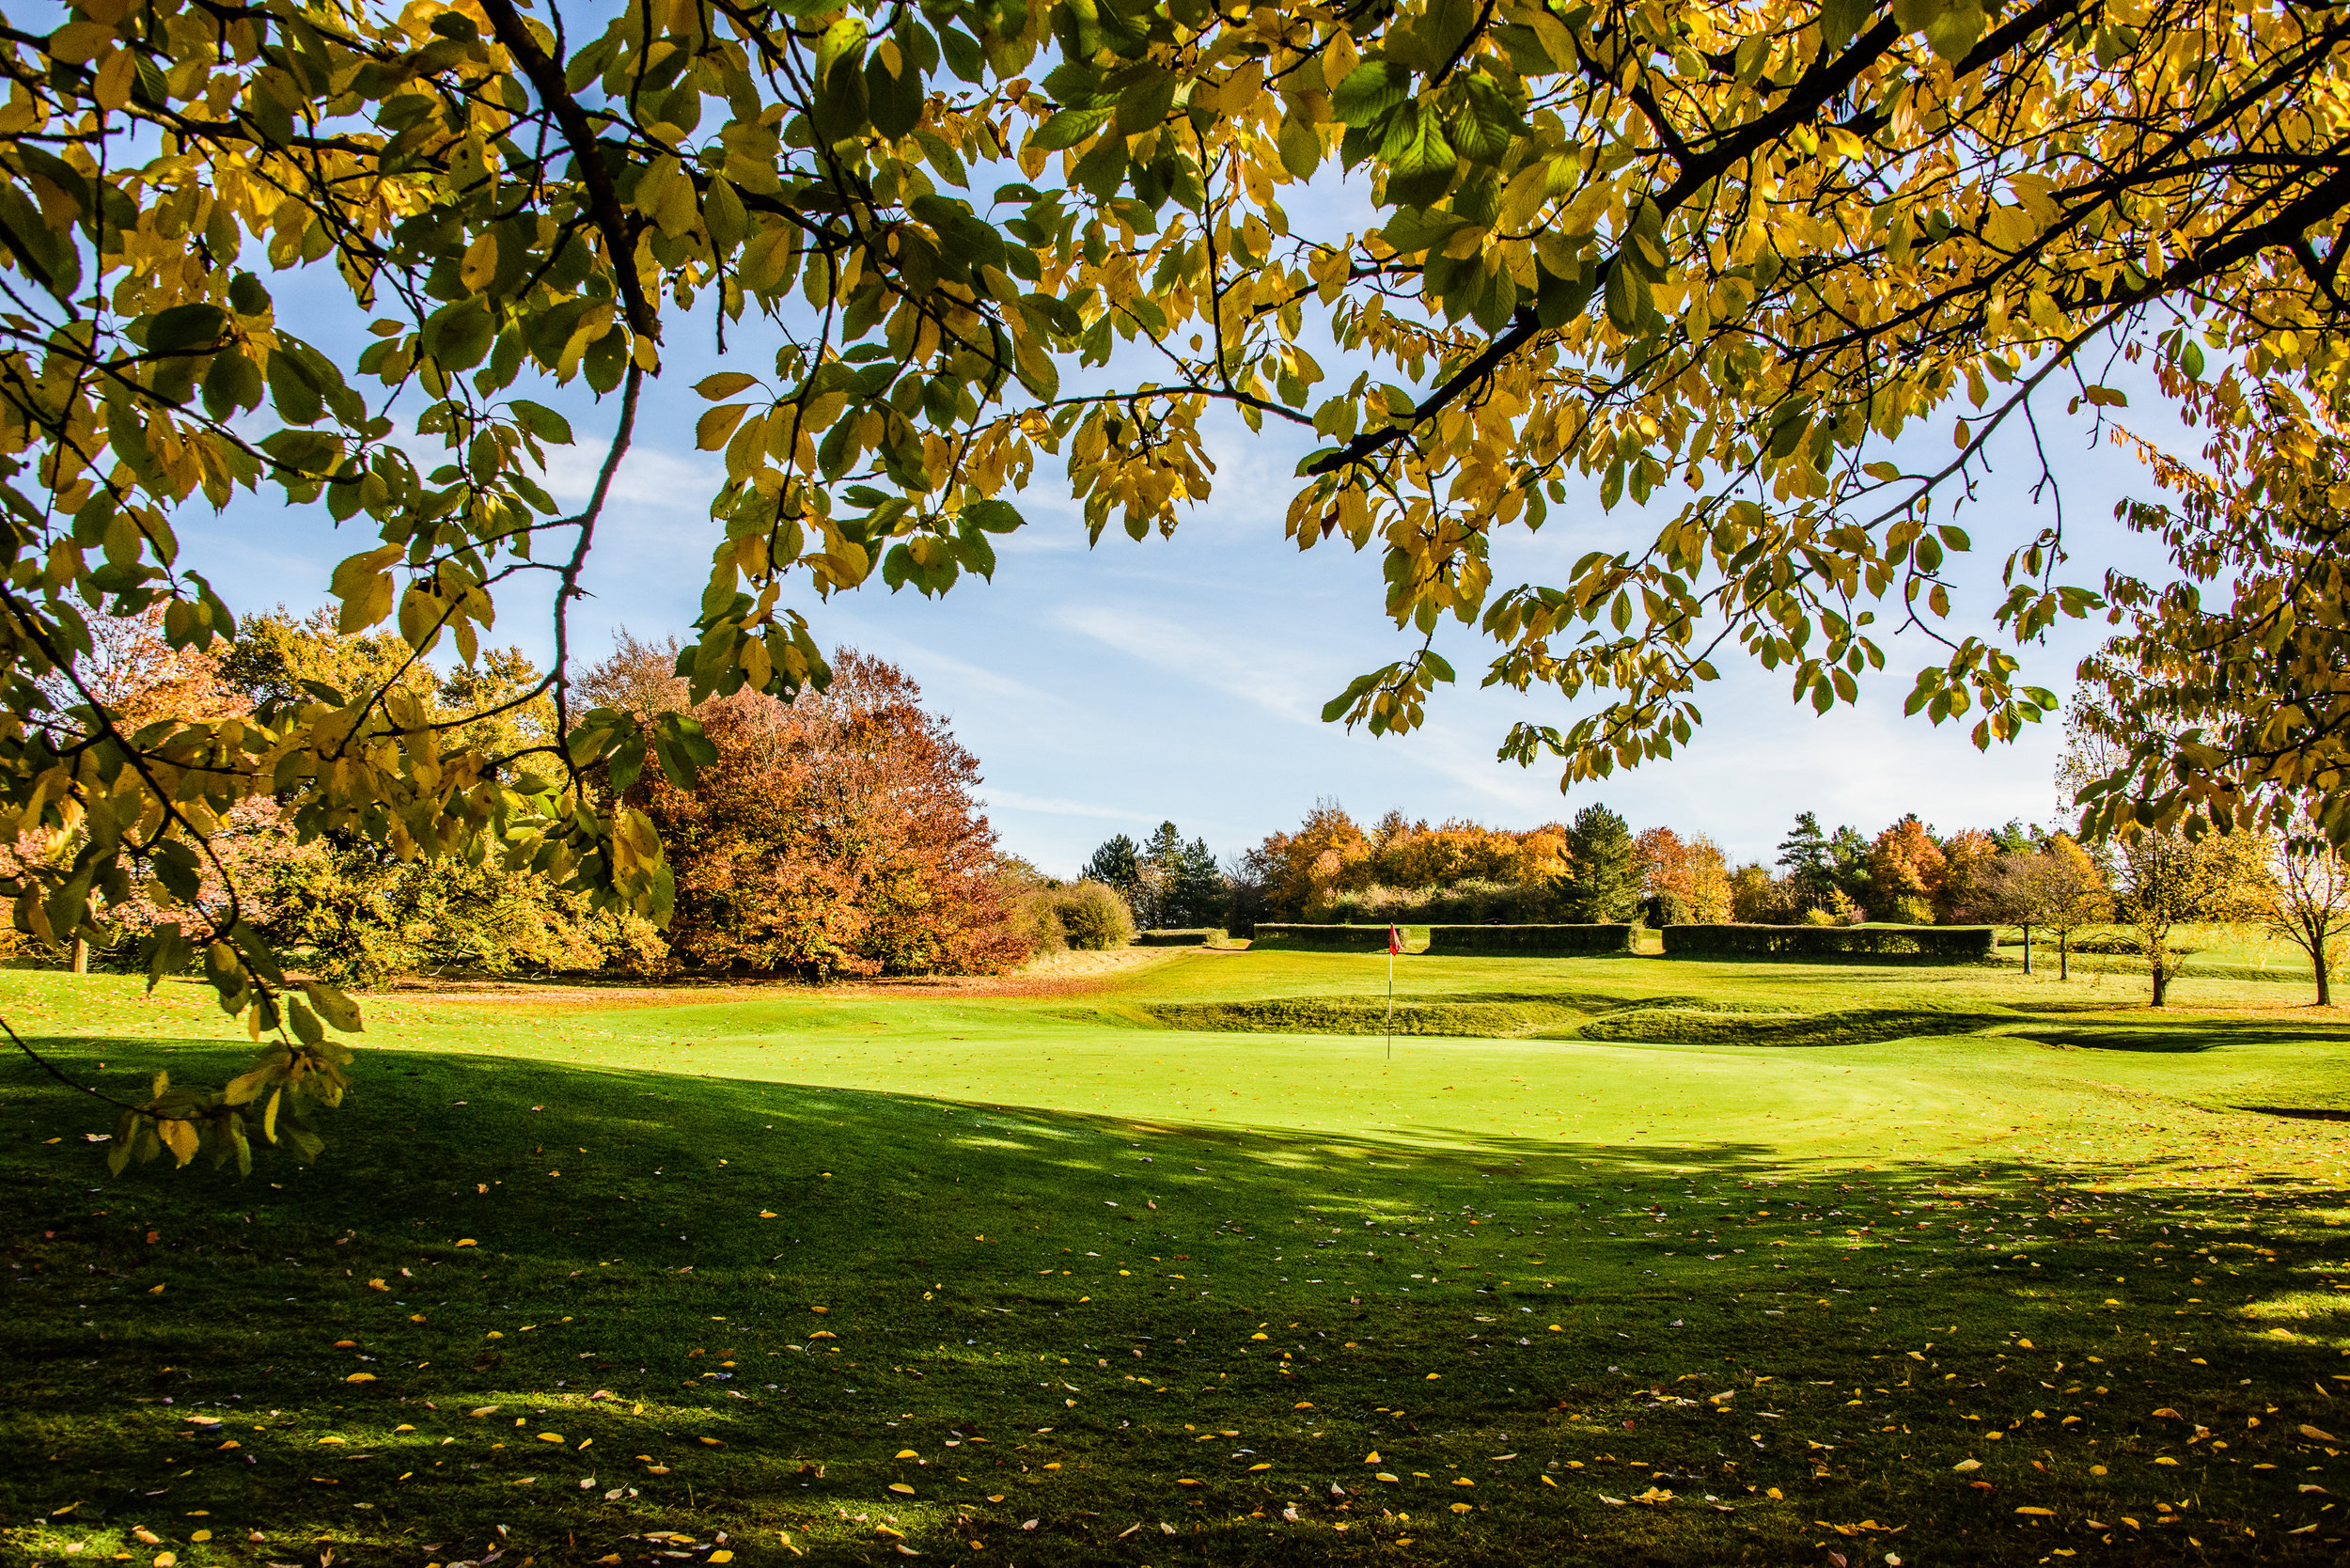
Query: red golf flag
[[1395, 941]]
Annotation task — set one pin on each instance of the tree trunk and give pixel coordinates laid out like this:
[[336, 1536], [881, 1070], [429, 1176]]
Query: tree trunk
[[2162, 981], [2028, 946], [2064, 956], [2325, 991], [81, 955]]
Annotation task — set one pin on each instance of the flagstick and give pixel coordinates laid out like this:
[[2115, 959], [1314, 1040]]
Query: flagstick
[[1391, 945]]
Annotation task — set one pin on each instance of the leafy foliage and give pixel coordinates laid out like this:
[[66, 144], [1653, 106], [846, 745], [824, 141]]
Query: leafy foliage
[[2235, 713]]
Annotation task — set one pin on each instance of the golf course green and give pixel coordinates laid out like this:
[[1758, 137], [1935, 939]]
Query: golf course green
[[1174, 1258]]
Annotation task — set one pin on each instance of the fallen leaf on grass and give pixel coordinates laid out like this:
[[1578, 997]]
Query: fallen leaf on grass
[[901, 1488], [1968, 1467], [2316, 1436]]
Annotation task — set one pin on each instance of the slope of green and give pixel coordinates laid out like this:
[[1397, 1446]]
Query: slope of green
[[2005, 1266]]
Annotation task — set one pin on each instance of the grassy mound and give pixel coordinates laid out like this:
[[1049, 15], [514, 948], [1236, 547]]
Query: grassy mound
[[1485, 1020], [1681, 1025]]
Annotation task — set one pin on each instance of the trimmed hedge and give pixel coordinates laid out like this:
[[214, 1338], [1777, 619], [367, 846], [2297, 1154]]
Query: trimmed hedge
[[1530, 941], [1944, 943], [1194, 936], [1290, 938]]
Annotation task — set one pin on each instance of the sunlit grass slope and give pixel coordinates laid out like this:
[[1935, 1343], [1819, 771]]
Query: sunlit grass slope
[[1682, 1263]]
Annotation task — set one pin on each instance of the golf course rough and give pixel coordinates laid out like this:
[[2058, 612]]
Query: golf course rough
[[1987, 1270]]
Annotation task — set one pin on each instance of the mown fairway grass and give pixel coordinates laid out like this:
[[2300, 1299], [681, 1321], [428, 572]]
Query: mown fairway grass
[[839, 1277]]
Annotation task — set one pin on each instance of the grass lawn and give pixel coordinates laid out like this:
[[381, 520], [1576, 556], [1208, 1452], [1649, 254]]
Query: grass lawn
[[1617, 1259]]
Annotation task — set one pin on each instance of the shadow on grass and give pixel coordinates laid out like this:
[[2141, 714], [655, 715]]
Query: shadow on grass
[[773, 1292]]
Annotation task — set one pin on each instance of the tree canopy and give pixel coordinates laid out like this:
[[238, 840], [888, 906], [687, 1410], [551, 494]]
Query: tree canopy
[[1714, 259]]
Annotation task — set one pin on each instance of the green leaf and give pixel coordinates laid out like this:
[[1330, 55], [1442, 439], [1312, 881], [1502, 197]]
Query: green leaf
[[995, 517], [184, 326], [1421, 160], [458, 336], [292, 392], [1369, 90], [1068, 128], [542, 422]]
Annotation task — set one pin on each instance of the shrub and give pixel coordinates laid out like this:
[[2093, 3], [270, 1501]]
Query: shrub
[[1667, 909], [1093, 918], [1531, 941], [1943, 943]]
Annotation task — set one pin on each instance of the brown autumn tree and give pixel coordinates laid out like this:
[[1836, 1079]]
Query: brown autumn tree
[[1905, 870], [1684, 879], [834, 834]]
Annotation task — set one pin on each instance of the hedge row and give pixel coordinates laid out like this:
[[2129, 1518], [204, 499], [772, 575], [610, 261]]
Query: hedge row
[[1954, 944], [1321, 939], [1531, 941], [1195, 936]]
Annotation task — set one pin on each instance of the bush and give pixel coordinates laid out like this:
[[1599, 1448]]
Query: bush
[[1666, 909], [1942, 943], [1090, 915], [1195, 936], [1557, 941]]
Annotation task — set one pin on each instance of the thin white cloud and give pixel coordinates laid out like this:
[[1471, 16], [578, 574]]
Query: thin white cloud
[[649, 475], [1012, 800], [1167, 646]]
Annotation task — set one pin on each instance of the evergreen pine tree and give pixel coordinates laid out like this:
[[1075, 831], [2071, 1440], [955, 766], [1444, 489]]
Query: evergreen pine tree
[[1600, 884], [1809, 865], [1114, 863], [1197, 892]]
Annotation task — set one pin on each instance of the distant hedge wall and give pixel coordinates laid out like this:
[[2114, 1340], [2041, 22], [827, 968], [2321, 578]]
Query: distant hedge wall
[[1197, 936], [1530, 941], [1949, 944], [1290, 938]]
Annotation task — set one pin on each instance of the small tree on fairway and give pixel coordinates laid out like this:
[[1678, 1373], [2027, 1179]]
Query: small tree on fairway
[[2165, 880], [2056, 887], [1600, 884], [2306, 901]]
